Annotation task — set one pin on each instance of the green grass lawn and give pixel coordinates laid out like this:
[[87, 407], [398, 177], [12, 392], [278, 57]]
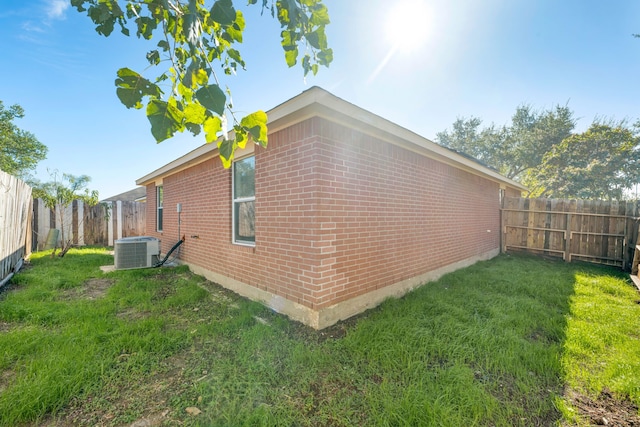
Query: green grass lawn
[[513, 341]]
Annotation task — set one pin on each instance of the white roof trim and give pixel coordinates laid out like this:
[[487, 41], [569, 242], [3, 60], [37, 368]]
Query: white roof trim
[[318, 102]]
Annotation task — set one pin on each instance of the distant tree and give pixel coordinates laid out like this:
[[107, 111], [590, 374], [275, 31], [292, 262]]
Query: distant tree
[[597, 164], [515, 149], [533, 133], [485, 145], [20, 151], [58, 195], [193, 37]]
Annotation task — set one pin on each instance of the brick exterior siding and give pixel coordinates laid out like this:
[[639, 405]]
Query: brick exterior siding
[[338, 214]]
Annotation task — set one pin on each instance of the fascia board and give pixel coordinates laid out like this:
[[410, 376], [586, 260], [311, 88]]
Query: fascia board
[[199, 155], [318, 102]]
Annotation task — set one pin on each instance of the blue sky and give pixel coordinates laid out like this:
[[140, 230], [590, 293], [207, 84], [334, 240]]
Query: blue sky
[[472, 59]]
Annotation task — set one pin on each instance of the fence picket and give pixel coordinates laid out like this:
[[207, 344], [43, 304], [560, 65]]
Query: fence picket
[[587, 230], [91, 225], [16, 211]]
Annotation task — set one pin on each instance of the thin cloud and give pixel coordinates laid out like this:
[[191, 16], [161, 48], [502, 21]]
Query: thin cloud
[[56, 9], [50, 11], [32, 27]]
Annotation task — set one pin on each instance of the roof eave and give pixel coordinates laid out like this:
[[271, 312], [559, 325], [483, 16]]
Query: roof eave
[[318, 102]]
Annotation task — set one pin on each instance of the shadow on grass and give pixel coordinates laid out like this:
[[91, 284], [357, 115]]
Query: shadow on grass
[[479, 346], [486, 345]]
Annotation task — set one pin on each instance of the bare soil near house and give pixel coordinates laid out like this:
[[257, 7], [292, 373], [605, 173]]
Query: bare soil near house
[[606, 409]]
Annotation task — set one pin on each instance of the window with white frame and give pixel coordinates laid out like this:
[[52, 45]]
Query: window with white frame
[[159, 203], [244, 201]]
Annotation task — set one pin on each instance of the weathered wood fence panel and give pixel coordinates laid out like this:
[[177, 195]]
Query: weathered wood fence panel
[[90, 225], [15, 223], [598, 231], [95, 223]]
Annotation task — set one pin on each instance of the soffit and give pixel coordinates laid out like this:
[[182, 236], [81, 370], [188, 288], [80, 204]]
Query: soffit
[[317, 102]]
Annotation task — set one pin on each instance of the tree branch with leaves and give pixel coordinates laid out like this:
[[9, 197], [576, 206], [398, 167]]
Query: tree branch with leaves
[[599, 163], [20, 151], [192, 39], [59, 194]]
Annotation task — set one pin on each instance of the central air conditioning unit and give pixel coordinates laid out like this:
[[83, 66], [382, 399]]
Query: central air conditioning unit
[[136, 252]]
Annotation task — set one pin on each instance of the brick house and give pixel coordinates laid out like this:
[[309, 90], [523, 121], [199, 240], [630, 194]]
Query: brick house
[[343, 210]]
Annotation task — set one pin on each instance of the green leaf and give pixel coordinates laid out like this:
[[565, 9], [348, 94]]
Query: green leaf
[[195, 76], [320, 15], [132, 87], [325, 57], [165, 118], [212, 97], [194, 113], [185, 92], [241, 136], [235, 30], [256, 125], [317, 39], [201, 77], [212, 125], [193, 128], [235, 55], [79, 4], [104, 25], [162, 44], [291, 56], [223, 12], [289, 39], [226, 147], [153, 57], [192, 28], [306, 64], [145, 27]]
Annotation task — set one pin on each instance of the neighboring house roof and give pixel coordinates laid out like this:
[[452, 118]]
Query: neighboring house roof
[[318, 102], [137, 194]]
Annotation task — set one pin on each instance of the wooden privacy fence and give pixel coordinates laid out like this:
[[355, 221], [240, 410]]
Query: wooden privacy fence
[[597, 231], [90, 225], [15, 224]]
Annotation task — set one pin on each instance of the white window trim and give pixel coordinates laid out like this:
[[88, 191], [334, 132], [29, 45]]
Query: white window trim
[[233, 206], [159, 208]]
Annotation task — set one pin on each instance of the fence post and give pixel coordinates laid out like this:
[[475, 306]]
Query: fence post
[[110, 226], [567, 239], [81, 223], [119, 218], [74, 221], [43, 223]]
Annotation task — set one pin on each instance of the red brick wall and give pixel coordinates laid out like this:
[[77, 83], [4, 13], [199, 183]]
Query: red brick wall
[[285, 254], [338, 214], [391, 214]]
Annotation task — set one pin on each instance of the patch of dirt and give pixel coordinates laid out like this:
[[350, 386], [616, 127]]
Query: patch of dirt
[[96, 288], [505, 389], [331, 333], [132, 314], [218, 293], [5, 327], [6, 289], [540, 335], [91, 289], [144, 404], [5, 379], [606, 409]]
